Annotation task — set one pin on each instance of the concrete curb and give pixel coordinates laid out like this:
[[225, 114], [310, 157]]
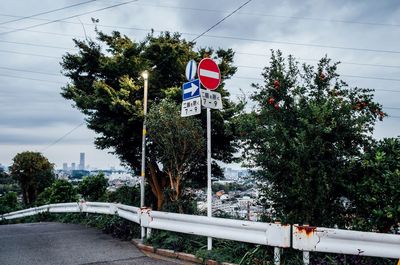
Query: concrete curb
[[170, 254]]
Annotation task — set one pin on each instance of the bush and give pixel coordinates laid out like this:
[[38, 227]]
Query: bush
[[93, 188], [9, 203], [125, 195], [60, 191]]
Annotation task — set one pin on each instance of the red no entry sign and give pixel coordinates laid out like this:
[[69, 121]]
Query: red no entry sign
[[209, 74]]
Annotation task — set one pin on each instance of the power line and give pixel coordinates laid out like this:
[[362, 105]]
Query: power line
[[62, 137], [28, 71], [37, 45], [46, 12], [69, 17], [273, 16], [225, 37], [302, 44], [222, 20], [31, 54], [32, 79]]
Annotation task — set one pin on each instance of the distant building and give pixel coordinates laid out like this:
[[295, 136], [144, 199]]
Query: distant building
[[65, 166], [82, 161], [73, 166]]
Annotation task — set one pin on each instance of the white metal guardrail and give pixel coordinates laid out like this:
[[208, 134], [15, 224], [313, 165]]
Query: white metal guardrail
[[270, 234], [320, 239], [304, 238], [130, 213]]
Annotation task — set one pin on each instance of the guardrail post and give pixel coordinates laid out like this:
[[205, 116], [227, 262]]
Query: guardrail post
[[277, 256], [306, 257]]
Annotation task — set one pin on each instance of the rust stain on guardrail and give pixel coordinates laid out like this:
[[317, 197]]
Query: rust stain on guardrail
[[307, 230]]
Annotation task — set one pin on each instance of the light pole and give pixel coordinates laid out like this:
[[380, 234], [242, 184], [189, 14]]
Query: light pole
[[145, 76]]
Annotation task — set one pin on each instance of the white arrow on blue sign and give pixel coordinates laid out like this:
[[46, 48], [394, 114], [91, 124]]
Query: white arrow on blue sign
[[191, 89], [191, 69]]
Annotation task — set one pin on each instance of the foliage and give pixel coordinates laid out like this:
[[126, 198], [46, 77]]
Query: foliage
[[306, 133], [60, 191], [177, 142], [93, 188], [176, 241], [33, 172], [377, 189], [126, 195], [7, 183], [9, 203], [106, 86]]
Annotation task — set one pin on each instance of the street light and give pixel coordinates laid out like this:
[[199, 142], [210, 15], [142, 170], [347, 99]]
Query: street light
[[145, 76]]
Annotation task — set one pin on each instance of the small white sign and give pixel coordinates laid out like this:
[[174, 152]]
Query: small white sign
[[191, 107], [210, 99]]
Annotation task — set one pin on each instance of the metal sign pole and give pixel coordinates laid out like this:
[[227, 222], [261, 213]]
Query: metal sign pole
[[143, 169], [209, 192]]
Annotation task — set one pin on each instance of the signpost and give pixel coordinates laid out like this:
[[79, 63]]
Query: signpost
[[210, 77], [210, 99], [209, 74], [191, 107], [191, 90], [191, 69]]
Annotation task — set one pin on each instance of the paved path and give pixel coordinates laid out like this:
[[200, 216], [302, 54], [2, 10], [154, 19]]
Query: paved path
[[66, 244]]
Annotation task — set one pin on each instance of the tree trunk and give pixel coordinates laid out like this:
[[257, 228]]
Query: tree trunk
[[157, 182]]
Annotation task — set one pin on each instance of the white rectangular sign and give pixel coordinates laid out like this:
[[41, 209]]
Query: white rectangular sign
[[191, 107], [210, 99]]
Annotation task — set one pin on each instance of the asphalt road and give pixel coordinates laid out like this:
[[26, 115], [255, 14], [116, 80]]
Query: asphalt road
[[56, 244]]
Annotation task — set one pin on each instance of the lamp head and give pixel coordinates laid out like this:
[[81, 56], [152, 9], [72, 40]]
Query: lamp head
[[145, 74]]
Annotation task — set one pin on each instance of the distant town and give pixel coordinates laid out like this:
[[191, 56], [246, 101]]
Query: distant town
[[234, 195]]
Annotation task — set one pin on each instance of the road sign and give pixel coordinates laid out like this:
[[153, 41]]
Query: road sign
[[209, 74], [211, 99], [191, 69], [191, 89], [191, 107]]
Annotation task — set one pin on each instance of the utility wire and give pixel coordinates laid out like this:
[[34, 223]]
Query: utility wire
[[219, 36], [222, 20], [28, 71], [270, 15], [30, 54], [46, 12], [32, 79], [69, 17], [62, 137], [37, 45]]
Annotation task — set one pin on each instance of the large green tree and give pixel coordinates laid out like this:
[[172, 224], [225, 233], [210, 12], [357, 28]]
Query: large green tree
[[177, 141], [376, 196], [33, 172], [106, 86], [305, 136]]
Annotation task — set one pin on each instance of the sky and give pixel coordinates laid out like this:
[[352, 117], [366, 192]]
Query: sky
[[363, 35]]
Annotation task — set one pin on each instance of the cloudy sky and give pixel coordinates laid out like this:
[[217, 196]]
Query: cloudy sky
[[363, 35]]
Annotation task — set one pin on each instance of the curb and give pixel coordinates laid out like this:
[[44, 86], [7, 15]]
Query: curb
[[181, 256]]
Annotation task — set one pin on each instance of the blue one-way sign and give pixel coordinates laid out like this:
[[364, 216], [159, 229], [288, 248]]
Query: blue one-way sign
[[191, 89]]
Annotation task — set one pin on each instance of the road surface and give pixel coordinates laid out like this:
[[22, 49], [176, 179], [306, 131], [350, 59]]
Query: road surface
[[66, 244]]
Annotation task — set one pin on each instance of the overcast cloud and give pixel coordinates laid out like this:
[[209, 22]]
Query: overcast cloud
[[33, 114]]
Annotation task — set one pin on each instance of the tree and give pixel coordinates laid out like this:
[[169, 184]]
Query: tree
[[377, 188], [126, 195], [177, 142], [93, 188], [106, 86], [305, 136], [33, 172], [9, 203], [59, 192]]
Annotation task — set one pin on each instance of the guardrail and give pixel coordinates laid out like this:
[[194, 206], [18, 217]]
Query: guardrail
[[304, 238], [130, 213], [321, 239]]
